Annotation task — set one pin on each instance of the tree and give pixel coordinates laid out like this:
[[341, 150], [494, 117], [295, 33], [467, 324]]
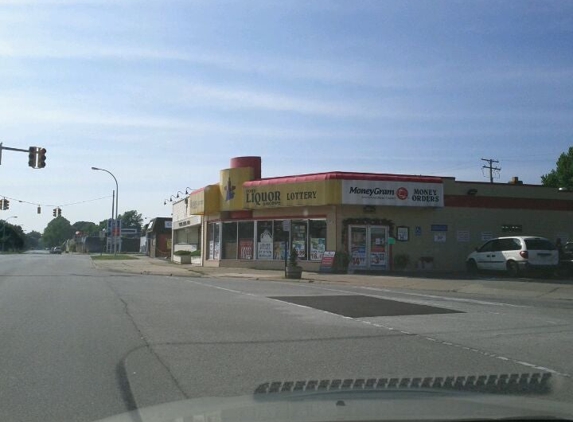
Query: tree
[[57, 232], [562, 176], [86, 227], [102, 225], [12, 237], [33, 240], [131, 219]]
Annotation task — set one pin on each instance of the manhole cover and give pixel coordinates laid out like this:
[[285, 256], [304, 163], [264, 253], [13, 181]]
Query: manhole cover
[[356, 306]]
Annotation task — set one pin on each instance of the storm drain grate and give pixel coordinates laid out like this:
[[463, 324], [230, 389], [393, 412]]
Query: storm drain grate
[[357, 306]]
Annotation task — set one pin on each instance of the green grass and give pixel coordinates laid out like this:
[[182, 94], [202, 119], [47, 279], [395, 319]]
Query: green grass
[[117, 257]]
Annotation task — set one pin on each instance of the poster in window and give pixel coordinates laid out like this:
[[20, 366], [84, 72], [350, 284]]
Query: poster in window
[[279, 250], [245, 249], [317, 248], [265, 250], [300, 246], [358, 256], [378, 259], [265, 244], [211, 249]]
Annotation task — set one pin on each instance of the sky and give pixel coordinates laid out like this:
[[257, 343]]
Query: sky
[[163, 93]]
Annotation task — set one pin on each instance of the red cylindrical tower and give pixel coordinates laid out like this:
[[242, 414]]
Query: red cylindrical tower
[[253, 162]]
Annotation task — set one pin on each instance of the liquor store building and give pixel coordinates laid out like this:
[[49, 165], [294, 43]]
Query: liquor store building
[[430, 222]]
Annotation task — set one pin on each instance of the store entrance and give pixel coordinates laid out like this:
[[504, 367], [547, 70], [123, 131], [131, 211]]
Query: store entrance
[[368, 247]]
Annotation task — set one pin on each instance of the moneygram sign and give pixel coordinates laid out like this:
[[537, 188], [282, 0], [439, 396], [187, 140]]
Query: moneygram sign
[[392, 193]]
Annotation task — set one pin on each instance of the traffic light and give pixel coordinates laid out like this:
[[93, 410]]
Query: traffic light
[[1, 204], [39, 210], [41, 158], [32, 156], [55, 212], [6, 204], [59, 212]]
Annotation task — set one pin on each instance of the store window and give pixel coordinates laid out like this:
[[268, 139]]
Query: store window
[[229, 238], [246, 239], [299, 231], [317, 239], [214, 240], [264, 240], [279, 239]]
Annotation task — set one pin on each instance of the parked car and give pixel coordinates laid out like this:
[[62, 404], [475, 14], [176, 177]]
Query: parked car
[[56, 250], [514, 254], [566, 260]]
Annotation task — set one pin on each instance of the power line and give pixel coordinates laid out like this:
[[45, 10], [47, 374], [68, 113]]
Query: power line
[[56, 205]]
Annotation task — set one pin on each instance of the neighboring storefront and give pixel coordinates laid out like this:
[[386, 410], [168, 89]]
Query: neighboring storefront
[[186, 228], [432, 222]]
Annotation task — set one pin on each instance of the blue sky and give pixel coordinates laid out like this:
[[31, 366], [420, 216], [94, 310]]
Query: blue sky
[[164, 92]]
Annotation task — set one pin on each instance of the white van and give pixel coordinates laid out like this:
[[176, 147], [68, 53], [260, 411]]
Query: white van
[[514, 255]]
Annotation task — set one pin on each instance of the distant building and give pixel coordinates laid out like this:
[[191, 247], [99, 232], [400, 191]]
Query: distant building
[[159, 237]]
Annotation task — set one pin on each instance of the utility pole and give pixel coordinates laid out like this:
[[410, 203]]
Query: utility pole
[[490, 167]]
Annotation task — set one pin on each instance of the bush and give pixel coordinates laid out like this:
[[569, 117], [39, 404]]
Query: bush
[[293, 257], [401, 261], [182, 253], [185, 253], [341, 261]]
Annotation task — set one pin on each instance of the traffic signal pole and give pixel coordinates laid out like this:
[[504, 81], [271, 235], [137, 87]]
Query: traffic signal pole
[[37, 156]]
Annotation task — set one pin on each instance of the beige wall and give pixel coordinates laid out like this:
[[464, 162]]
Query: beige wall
[[451, 254]]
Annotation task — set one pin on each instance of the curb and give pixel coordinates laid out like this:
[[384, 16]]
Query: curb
[[451, 282]]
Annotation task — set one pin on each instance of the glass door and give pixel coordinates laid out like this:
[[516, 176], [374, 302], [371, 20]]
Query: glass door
[[357, 247], [368, 247]]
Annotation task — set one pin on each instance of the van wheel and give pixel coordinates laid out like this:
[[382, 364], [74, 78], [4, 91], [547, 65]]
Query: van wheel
[[471, 267], [512, 268]]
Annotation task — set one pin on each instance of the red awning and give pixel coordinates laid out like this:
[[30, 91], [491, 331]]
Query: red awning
[[340, 175]]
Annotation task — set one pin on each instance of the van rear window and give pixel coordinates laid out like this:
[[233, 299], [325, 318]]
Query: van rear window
[[539, 245]]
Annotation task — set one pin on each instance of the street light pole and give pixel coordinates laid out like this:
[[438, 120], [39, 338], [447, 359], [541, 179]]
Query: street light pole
[[4, 231], [116, 206]]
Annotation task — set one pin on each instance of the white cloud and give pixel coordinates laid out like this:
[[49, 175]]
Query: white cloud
[[229, 97], [288, 68]]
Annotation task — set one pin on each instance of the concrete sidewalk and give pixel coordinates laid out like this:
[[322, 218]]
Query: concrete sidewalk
[[459, 283]]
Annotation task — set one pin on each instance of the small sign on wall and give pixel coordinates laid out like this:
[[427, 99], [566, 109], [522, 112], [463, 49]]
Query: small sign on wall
[[486, 236], [403, 234], [440, 237], [463, 235], [439, 227]]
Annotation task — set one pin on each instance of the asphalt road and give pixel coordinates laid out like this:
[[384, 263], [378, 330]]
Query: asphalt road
[[81, 344]]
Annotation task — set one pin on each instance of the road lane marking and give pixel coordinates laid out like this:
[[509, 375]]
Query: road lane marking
[[453, 299], [386, 327]]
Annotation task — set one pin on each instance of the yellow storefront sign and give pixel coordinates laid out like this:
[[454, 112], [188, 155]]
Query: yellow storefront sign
[[204, 201], [231, 187], [324, 192]]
